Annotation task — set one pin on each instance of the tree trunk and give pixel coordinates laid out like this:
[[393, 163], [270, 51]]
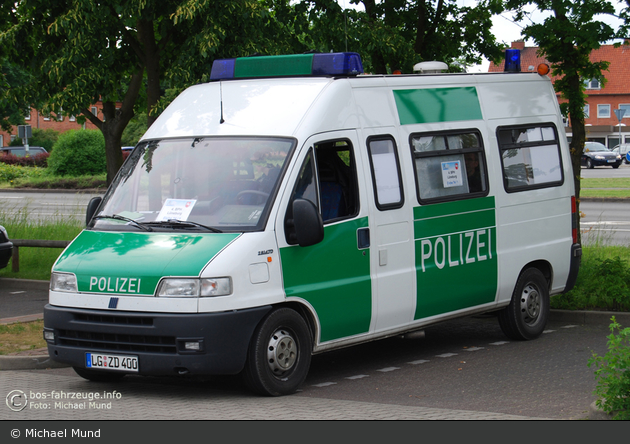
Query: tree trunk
[[146, 36]]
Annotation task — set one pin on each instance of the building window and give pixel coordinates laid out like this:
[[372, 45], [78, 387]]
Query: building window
[[28, 116], [94, 110], [587, 111], [625, 106], [603, 111], [592, 84], [72, 119], [530, 156]]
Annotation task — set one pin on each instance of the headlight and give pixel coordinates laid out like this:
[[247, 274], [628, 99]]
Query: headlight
[[63, 282], [191, 288], [599, 157]]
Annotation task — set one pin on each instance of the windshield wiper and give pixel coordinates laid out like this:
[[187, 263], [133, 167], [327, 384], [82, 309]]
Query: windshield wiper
[[126, 219], [183, 223]]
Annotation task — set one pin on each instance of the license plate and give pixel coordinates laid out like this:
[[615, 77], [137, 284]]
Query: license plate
[[100, 361], [611, 161]]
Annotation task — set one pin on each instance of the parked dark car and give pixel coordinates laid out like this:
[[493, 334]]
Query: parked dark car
[[20, 151], [6, 247], [596, 154], [622, 150]]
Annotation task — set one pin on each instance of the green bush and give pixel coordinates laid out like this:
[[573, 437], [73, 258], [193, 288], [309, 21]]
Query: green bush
[[8, 173], [603, 282], [78, 152], [613, 374]]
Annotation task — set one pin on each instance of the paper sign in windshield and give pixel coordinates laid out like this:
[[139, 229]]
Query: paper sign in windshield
[[452, 174], [178, 209]]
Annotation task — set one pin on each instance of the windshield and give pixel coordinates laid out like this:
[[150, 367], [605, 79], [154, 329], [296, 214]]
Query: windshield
[[201, 184]]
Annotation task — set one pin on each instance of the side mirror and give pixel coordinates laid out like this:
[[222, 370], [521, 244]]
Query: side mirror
[[309, 227], [91, 209]]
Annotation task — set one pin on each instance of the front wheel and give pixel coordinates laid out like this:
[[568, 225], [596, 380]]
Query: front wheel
[[589, 164], [526, 316], [279, 354]]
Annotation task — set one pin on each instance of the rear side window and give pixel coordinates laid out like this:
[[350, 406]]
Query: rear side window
[[530, 157], [449, 165]]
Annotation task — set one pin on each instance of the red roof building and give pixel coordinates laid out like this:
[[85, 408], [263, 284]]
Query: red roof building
[[601, 121]]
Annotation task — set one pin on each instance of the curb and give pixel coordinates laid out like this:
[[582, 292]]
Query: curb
[[38, 362]]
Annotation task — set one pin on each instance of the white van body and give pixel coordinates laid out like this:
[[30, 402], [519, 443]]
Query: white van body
[[410, 242]]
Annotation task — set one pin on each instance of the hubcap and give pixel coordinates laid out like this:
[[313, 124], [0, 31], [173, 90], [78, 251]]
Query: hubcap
[[530, 304], [282, 352]]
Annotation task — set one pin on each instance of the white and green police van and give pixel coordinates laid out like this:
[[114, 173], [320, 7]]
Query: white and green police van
[[295, 205]]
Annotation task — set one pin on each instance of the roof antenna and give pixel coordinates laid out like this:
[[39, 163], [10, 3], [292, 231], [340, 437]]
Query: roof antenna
[[221, 95]]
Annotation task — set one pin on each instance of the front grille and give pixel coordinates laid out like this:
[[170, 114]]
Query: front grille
[[117, 342], [117, 319]]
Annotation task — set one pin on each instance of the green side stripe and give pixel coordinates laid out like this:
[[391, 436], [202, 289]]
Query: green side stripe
[[437, 105], [267, 66]]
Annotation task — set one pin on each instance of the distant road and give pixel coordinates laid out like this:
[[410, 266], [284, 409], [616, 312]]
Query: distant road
[[45, 205]]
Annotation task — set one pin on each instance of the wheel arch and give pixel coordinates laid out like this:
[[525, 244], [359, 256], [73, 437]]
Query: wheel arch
[[544, 267], [307, 314]]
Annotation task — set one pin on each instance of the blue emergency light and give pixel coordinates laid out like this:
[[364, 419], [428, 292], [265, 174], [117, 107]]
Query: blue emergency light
[[512, 60], [315, 64]]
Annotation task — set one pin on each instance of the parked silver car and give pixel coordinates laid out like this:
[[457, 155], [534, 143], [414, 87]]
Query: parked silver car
[[622, 150]]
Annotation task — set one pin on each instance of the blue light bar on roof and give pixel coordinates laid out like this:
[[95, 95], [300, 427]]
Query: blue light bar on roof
[[512, 60], [317, 64]]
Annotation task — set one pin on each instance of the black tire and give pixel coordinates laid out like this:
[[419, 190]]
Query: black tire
[[616, 166], [526, 316], [589, 164], [279, 354], [98, 376]]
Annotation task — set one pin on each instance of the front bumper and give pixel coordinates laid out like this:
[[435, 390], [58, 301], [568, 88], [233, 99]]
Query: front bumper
[[156, 338]]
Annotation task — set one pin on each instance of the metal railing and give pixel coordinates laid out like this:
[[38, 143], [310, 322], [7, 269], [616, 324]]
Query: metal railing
[[17, 243]]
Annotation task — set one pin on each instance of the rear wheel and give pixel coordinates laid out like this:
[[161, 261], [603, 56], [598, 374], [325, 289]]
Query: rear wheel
[[98, 376], [526, 316], [279, 354]]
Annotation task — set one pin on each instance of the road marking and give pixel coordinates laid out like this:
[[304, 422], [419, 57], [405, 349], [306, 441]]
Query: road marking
[[388, 369], [357, 376], [569, 326], [548, 331], [324, 384], [419, 361], [446, 355], [473, 349], [16, 292], [500, 343]]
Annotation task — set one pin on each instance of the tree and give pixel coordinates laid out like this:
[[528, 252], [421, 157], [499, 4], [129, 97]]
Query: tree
[[566, 39]]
